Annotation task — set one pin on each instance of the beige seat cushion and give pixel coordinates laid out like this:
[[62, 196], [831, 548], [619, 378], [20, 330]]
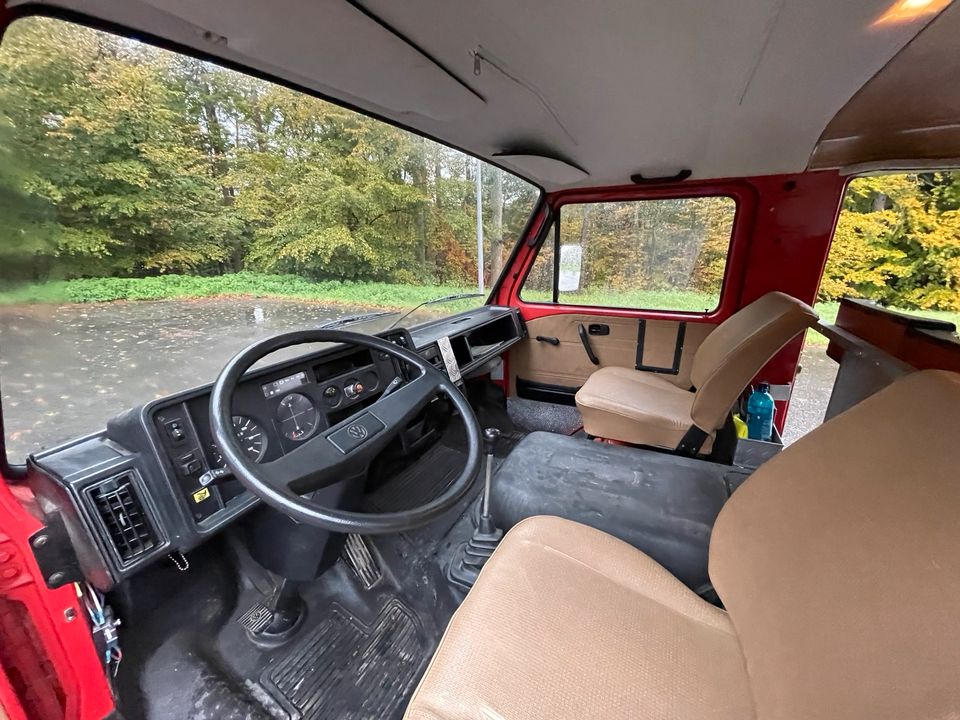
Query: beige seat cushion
[[646, 409], [568, 622], [636, 407], [839, 562]]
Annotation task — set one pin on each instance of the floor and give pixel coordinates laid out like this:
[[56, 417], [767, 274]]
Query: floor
[[373, 621]]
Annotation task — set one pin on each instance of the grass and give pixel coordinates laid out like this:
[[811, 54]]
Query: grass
[[359, 294], [242, 284]]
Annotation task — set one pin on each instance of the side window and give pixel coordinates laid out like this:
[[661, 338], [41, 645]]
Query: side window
[[666, 254]]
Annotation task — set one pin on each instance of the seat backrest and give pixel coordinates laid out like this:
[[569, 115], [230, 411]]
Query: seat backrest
[[839, 562], [735, 352]]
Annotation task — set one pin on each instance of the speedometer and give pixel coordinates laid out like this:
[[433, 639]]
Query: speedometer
[[251, 436]]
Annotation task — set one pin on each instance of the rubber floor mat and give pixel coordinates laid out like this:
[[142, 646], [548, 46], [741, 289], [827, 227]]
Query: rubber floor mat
[[347, 670], [508, 441], [420, 483]]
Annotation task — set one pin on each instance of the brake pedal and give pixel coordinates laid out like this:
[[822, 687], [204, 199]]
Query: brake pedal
[[358, 556], [256, 618]]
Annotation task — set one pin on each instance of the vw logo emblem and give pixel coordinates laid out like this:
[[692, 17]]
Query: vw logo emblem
[[357, 432]]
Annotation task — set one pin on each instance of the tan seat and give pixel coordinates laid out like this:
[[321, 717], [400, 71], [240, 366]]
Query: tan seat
[[647, 409], [837, 563]]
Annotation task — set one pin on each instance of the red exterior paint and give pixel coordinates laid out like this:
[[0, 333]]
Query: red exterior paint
[[57, 671], [781, 238]]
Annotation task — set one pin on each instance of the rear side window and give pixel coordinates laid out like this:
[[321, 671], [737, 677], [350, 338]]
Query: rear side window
[[664, 254]]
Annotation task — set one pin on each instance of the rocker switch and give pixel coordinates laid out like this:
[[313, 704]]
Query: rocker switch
[[175, 430]]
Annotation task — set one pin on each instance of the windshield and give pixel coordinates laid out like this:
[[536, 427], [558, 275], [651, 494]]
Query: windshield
[[158, 213]]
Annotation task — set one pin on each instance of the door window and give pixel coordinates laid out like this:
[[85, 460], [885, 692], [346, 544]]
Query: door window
[[664, 254]]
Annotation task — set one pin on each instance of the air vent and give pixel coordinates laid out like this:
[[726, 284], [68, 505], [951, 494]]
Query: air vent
[[124, 517]]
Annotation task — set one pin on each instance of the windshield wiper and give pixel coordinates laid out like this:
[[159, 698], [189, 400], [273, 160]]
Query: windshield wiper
[[435, 301], [351, 319], [363, 317]]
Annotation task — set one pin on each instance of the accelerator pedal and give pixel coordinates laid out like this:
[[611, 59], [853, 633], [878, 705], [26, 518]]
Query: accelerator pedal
[[256, 618], [357, 554]]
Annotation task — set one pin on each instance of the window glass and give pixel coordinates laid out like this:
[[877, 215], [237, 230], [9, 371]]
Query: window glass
[[666, 254], [158, 213]]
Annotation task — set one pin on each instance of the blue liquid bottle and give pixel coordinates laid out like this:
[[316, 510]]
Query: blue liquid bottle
[[760, 409]]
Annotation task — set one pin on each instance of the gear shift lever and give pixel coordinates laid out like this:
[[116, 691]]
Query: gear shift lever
[[471, 556], [490, 437]]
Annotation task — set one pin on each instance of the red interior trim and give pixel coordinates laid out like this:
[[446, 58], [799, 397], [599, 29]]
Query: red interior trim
[[780, 241]]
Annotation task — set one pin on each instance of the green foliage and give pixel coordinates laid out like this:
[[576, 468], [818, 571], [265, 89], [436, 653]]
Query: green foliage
[[246, 284], [125, 160], [121, 160], [898, 242]]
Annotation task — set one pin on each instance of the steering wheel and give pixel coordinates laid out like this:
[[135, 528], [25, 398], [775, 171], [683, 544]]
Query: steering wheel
[[346, 449]]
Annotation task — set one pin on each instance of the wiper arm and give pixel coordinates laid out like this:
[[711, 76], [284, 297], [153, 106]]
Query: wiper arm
[[435, 301], [351, 319]]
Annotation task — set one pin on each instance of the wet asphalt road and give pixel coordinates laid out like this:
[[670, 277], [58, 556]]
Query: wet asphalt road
[[65, 370]]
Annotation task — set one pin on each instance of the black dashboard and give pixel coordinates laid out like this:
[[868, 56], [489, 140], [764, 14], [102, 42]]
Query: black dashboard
[[153, 482]]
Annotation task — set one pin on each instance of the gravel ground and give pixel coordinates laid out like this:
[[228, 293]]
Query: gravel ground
[[811, 392]]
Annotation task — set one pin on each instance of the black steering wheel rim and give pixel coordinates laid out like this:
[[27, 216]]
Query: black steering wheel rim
[[252, 475]]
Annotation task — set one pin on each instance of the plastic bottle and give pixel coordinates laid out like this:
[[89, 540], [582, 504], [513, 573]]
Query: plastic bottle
[[760, 409]]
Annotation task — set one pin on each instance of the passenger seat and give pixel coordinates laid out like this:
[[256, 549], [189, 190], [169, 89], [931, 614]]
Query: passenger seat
[[645, 408]]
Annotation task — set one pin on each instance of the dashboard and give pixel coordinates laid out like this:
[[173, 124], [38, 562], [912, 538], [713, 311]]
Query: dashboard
[[154, 482]]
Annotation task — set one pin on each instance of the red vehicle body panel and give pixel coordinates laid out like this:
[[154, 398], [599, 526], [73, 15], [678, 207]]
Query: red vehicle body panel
[[50, 668], [781, 238]]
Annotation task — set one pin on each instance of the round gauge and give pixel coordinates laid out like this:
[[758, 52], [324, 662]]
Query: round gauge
[[297, 416], [252, 439]]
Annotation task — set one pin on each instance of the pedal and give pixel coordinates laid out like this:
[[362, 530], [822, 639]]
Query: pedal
[[358, 556], [256, 618]]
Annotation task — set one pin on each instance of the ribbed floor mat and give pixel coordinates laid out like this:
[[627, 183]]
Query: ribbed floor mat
[[345, 670], [421, 482]]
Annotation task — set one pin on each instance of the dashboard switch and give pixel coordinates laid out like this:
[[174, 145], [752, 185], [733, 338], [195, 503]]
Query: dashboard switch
[[175, 430], [352, 390]]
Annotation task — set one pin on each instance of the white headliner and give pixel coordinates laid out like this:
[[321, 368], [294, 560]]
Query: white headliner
[[727, 88]]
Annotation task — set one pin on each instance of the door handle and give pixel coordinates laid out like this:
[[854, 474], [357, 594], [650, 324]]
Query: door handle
[[585, 339], [552, 340], [598, 329]]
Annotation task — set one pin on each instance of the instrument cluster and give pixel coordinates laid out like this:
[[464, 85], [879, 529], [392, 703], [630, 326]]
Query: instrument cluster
[[275, 411]]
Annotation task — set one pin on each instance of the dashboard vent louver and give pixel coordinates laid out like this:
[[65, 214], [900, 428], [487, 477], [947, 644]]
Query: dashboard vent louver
[[123, 516]]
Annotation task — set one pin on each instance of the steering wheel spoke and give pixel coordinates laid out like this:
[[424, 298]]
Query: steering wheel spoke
[[311, 466], [402, 405]]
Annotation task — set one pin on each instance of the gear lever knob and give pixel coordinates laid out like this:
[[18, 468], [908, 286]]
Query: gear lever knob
[[490, 437]]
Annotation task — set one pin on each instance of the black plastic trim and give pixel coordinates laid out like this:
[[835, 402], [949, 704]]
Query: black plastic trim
[[544, 392], [677, 350], [691, 442], [638, 179], [585, 339]]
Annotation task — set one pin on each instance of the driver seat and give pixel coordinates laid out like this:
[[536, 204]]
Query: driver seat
[[836, 561]]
